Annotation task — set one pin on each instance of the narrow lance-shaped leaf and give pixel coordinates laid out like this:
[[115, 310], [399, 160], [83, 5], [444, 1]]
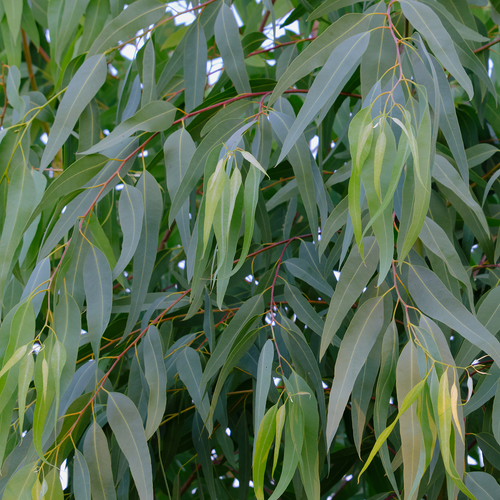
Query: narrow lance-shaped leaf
[[20, 203], [99, 293], [155, 116], [294, 439], [147, 246], [431, 28], [408, 377], [228, 41], [81, 90], [131, 212], [300, 158], [319, 50], [354, 349], [126, 424], [149, 93], [422, 189], [137, 16], [189, 369], [331, 79], [252, 183], [81, 477], [263, 382], [262, 446], [354, 277], [178, 149], [96, 453], [434, 299], [195, 67], [156, 376]]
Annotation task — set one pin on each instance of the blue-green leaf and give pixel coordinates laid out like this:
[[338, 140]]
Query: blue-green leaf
[[83, 87], [126, 424]]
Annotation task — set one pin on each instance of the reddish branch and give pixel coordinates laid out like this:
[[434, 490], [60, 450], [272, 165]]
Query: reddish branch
[[487, 46], [29, 64], [264, 19], [279, 45]]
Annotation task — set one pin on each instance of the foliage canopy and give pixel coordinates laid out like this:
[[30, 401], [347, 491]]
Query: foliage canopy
[[254, 255]]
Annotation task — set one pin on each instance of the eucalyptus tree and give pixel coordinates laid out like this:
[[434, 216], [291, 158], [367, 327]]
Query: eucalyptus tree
[[249, 249]]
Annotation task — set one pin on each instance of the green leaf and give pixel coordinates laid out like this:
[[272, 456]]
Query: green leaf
[[155, 116], [444, 432], [156, 376], [20, 203], [67, 325], [410, 398], [81, 478], [317, 52], [99, 293], [435, 239], [251, 193], [72, 179], [242, 320], [138, 15], [240, 347], [20, 484], [72, 11], [96, 453], [330, 6], [354, 349], [147, 246], [411, 227], [228, 42], [300, 158], [327, 85], [309, 460], [190, 372], [95, 18], [479, 153], [131, 212], [434, 299], [302, 270], [18, 329], [459, 195], [304, 311], [488, 315], [425, 20], [149, 93], [482, 485], [263, 383], [354, 277], [83, 87], [280, 422], [178, 149], [227, 125], [215, 188], [26, 369], [413, 452], [14, 13], [126, 424], [195, 67], [262, 446], [294, 439], [383, 393]]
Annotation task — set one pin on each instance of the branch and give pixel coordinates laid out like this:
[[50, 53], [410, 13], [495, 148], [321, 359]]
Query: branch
[[487, 46], [27, 56], [279, 45]]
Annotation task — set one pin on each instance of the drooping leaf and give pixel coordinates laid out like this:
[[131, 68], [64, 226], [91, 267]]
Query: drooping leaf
[[126, 423], [153, 117], [98, 290], [140, 15], [83, 87], [228, 41]]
